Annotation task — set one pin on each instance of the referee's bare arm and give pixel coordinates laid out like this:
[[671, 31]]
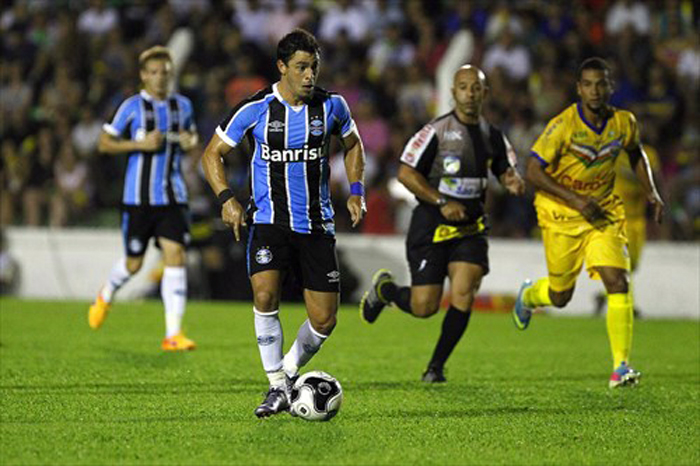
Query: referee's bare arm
[[232, 213], [355, 170]]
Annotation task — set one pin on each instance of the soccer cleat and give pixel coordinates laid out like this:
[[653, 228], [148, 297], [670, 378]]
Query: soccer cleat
[[178, 342], [522, 313], [372, 302], [98, 312], [624, 376], [275, 402], [434, 375]]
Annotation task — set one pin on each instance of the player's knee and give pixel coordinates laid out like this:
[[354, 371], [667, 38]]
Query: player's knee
[[561, 298], [324, 326], [133, 265], [463, 299], [424, 307], [265, 301], [617, 284]]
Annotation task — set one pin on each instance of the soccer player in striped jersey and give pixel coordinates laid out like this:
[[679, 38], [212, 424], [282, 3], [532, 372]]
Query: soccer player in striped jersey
[[288, 127], [155, 128], [573, 170]]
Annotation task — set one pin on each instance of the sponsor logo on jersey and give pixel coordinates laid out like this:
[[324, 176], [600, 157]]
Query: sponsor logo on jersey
[[451, 164], [263, 256], [462, 188], [453, 135], [290, 155]]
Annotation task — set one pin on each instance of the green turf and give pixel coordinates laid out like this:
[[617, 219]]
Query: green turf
[[69, 395]]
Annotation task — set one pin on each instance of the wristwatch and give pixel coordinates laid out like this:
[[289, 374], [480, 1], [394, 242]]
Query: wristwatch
[[442, 200]]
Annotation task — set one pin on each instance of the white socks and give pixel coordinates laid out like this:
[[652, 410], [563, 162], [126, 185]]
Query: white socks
[[268, 330], [307, 344], [117, 277], [173, 290]]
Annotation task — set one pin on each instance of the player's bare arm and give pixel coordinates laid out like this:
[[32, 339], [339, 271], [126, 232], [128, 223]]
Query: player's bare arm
[[232, 212], [642, 168], [418, 185], [513, 182], [109, 144], [586, 205], [355, 169]]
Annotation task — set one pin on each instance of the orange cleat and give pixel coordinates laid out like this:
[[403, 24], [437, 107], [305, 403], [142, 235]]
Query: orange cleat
[[98, 312], [178, 342]]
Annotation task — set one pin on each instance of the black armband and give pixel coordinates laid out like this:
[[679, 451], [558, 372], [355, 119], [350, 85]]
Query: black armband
[[224, 196]]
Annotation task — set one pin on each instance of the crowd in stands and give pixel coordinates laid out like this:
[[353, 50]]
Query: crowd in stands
[[67, 64]]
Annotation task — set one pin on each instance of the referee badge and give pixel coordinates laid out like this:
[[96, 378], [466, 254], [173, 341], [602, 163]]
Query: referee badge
[[451, 164], [263, 256]]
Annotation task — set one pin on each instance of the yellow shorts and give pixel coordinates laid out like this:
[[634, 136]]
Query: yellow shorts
[[636, 235], [566, 253]]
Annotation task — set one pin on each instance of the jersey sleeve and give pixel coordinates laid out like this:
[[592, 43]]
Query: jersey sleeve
[[234, 127], [421, 149], [550, 142], [122, 118], [504, 155], [633, 140], [342, 116], [188, 121]]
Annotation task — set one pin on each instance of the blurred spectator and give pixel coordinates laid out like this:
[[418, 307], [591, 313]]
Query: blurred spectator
[[509, 55], [389, 50], [99, 19], [73, 188], [39, 183], [625, 13], [344, 15], [86, 132]]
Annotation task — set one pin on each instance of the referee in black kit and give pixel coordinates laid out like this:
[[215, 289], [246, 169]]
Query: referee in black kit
[[446, 166]]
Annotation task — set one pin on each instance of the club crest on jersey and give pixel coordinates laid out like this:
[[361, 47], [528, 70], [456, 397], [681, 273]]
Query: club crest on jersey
[[263, 256], [316, 125], [451, 164], [275, 126]]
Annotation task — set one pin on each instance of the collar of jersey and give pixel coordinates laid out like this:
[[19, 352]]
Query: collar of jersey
[[150, 98], [588, 123], [277, 94]]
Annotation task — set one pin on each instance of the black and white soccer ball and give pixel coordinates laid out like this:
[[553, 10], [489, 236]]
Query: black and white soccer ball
[[316, 396]]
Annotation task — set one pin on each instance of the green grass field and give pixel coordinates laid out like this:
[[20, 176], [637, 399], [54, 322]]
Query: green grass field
[[69, 395]]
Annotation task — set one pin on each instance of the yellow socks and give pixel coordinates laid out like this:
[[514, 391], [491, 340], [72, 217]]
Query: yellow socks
[[538, 294], [619, 322]]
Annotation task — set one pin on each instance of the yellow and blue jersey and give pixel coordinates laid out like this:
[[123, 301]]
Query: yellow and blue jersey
[[289, 163], [581, 157], [153, 178]]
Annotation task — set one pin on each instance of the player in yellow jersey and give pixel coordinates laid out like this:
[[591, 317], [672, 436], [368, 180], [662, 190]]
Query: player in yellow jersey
[[573, 170], [630, 190]]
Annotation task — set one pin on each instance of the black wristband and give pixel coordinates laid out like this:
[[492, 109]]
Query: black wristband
[[224, 196]]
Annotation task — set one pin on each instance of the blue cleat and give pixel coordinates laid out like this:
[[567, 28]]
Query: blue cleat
[[624, 376], [521, 313]]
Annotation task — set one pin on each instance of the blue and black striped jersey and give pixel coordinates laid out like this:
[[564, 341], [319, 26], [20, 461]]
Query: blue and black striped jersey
[[289, 163], [153, 178]]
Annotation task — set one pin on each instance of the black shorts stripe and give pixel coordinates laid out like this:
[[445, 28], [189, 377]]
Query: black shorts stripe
[[278, 175], [150, 121]]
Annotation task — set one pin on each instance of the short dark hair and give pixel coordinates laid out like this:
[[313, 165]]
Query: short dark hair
[[593, 63], [298, 39]]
